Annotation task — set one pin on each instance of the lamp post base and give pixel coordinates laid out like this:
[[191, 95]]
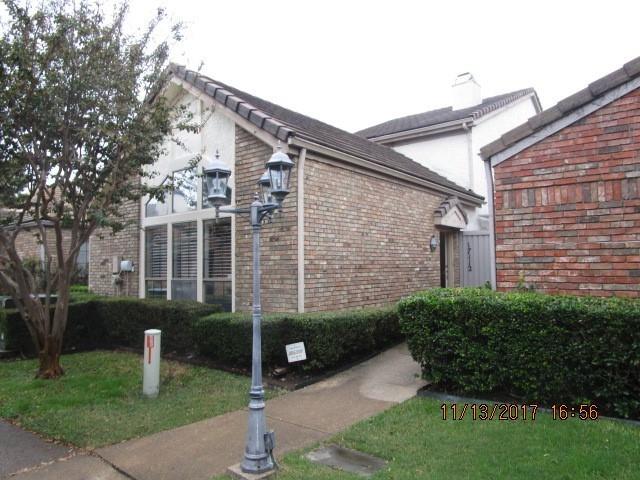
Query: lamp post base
[[236, 472]]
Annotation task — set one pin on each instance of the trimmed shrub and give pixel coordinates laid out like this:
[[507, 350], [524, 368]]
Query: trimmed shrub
[[126, 319], [117, 322], [331, 338], [539, 348]]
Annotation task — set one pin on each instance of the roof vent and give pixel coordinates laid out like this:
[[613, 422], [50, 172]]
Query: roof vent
[[466, 92]]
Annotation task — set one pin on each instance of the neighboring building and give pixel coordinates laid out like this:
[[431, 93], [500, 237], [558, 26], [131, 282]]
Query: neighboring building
[[357, 229], [30, 247], [447, 141], [567, 193]]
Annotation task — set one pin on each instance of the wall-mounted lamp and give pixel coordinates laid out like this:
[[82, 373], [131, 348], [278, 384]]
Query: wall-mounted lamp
[[433, 244]]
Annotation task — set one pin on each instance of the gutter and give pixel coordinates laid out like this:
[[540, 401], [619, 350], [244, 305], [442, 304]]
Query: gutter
[[492, 226], [419, 132], [467, 129], [472, 199]]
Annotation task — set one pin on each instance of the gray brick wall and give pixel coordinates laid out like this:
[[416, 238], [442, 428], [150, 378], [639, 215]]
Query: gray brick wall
[[366, 239], [104, 245], [278, 240]]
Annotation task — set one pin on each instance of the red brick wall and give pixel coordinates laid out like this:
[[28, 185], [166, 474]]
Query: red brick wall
[[366, 238], [279, 239], [567, 209]]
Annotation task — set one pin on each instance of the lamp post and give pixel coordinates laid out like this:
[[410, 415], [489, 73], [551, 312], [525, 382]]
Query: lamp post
[[274, 187]]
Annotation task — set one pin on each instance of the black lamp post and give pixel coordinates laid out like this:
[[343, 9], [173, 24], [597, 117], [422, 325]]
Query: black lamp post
[[258, 453]]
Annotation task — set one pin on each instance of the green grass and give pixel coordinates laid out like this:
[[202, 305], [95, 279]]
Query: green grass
[[418, 444], [99, 401]]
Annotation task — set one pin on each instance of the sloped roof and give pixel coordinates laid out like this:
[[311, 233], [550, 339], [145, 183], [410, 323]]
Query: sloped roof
[[283, 123], [629, 71], [443, 115]]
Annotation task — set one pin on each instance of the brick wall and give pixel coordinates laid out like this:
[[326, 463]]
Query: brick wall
[[28, 244], [279, 250], [567, 209], [366, 238], [104, 245]]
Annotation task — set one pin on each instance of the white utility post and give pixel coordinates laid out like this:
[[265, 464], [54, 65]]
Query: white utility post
[[151, 369]]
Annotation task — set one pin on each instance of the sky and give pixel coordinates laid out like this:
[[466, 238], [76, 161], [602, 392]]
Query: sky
[[355, 63]]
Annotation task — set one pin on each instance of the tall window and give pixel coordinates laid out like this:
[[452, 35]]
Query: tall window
[[156, 262], [185, 190], [155, 207], [185, 261], [217, 262]]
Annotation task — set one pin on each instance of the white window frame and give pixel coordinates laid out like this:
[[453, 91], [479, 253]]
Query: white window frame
[[199, 215]]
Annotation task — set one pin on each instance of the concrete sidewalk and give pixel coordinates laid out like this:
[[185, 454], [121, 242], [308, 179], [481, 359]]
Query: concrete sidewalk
[[203, 449]]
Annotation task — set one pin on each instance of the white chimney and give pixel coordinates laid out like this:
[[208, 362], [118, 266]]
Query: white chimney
[[466, 92]]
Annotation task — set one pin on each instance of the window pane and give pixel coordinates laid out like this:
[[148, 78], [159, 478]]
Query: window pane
[[156, 289], [183, 289], [185, 190], [81, 273], [156, 262], [155, 207], [217, 262], [217, 248], [218, 293], [185, 261]]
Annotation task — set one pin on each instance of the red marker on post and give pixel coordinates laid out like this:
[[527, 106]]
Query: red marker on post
[[151, 363]]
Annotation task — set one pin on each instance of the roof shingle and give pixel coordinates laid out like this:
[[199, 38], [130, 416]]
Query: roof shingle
[[283, 124], [443, 115], [629, 71]]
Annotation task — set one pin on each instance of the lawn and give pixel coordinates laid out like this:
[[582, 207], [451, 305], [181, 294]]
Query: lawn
[[99, 401], [419, 445]]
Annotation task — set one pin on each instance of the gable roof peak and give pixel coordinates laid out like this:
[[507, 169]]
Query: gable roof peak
[[432, 119], [289, 126], [605, 86]]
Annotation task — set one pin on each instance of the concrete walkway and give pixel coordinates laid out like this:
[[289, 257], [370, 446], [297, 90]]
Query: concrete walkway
[[203, 449]]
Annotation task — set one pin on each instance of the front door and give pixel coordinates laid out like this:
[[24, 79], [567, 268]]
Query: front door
[[447, 272]]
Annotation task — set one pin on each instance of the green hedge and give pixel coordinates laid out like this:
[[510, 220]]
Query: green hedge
[[118, 322], [331, 339], [540, 348]]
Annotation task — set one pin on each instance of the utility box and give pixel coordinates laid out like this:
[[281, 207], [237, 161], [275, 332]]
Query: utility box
[[151, 369], [126, 266]]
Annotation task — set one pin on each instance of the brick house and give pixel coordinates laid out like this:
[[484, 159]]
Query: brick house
[[566, 193], [356, 229], [30, 247]]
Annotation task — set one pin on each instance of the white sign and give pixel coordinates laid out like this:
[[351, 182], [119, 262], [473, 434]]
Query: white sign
[[296, 352]]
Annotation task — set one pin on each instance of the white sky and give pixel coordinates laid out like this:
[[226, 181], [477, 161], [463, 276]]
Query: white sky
[[355, 63]]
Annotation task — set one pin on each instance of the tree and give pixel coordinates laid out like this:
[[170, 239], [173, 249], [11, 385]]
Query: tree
[[81, 123]]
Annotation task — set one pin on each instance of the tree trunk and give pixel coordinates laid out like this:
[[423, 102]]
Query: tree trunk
[[50, 359]]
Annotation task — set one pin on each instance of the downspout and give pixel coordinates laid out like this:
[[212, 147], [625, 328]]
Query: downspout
[[300, 206], [492, 226], [467, 128]]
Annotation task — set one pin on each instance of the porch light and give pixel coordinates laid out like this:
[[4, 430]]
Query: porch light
[[265, 188], [216, 176], [279, 167], [433, 244]]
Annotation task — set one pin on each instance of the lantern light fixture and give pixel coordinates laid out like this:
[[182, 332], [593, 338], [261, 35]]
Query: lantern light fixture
[[433, 244], [265, 188], [279, 167], [216, 174]]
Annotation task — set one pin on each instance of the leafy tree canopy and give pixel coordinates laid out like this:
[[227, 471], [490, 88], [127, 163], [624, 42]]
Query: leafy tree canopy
[[81, 123]]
